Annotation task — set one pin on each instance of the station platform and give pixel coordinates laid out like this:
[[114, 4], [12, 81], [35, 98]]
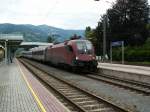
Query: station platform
[[20, 91], [126, 68], [136, 73]]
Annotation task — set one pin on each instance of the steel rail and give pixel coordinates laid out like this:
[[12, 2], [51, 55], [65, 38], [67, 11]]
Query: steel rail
[[53, 88], [145, 90], [125, 80], [116, 107]]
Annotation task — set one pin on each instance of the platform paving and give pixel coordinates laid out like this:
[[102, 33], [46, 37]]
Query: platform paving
[[126, 68], [14, 93], [47, 99], [129, 72]]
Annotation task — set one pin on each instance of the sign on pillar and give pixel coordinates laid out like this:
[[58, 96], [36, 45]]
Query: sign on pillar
[[6, 51], [117, 43]]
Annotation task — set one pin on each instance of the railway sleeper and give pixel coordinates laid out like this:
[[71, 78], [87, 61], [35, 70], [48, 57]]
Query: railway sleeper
[[103, 110], [56, 83], [76, 96], [87, 102], [71, 93], [80, 99], [94, 106], [53, 81], [62, 86], [66, 90]]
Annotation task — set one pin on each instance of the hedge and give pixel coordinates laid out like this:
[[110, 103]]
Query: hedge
[[133, 54]]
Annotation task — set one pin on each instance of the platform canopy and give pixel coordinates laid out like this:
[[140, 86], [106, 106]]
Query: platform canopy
[[10, 42], [35, 44], [12, 39], [29, 45]]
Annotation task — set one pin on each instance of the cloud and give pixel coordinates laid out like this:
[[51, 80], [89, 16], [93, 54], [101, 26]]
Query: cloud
[[74, 14]]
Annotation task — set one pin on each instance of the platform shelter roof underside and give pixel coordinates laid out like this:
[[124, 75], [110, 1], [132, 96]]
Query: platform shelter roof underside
[[11, 39]]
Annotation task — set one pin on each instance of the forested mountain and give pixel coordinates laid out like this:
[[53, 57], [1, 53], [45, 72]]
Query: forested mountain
[[40, 32]]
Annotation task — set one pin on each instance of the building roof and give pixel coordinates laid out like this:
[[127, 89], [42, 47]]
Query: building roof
[[29, 45], [13, 37]]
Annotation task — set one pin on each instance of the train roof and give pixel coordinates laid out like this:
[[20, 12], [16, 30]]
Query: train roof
[[68, 41], [79, 40], [74, 40], [38, 48]]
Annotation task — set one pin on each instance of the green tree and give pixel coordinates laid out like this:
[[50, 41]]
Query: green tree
[[89, 34], [99, 38], [95, 36], [51, 39], [128, 20]]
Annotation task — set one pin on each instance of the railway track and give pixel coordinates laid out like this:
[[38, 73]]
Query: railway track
[[122, 83], [79, 99]]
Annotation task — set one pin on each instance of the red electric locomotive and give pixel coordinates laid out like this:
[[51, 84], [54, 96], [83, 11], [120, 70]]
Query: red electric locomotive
[[75, 54]]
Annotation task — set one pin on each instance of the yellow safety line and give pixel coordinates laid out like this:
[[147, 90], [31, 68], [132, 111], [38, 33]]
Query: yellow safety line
[[33, 93]]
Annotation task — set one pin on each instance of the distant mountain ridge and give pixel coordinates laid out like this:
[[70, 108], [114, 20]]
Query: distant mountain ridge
[[38, 33]]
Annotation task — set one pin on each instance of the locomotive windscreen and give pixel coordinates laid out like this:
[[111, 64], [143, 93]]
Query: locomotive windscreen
[[84, 47]]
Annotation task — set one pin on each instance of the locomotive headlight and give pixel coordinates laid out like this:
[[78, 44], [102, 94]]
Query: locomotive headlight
[[77, 58]]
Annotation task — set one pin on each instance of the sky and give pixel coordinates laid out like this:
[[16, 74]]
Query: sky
[[67, 14]]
